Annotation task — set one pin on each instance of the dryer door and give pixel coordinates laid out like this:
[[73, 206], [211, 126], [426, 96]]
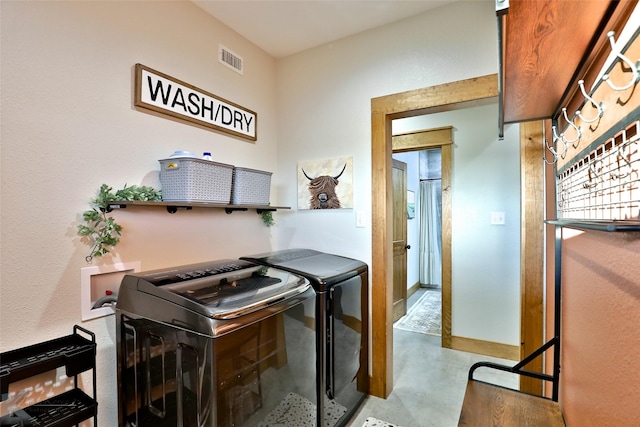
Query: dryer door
[[347, 371]]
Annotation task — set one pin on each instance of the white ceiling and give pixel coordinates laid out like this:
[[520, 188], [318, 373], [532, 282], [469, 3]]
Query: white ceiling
[[285, 27]]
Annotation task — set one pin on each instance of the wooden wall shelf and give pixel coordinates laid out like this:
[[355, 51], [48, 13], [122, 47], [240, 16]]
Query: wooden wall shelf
[[172, 207]]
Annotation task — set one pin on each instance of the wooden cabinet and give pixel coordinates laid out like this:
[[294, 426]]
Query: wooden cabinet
[[548, 46], [575, 64]]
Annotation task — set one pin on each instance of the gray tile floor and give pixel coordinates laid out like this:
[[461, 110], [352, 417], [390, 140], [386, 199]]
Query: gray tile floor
[[429, 382]]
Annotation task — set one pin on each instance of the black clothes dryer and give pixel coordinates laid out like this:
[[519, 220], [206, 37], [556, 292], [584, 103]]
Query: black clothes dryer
[[342, 323]]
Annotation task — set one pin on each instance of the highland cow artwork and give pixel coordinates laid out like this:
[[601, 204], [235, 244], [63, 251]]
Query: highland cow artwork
[[323, 191], [325, 184]]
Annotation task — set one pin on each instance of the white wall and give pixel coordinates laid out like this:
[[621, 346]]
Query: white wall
[[324, 106], [68, 125], [324, 110]]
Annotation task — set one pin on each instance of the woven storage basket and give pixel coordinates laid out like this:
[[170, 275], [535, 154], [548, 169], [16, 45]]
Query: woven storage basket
[[187, 179], [250, 187]]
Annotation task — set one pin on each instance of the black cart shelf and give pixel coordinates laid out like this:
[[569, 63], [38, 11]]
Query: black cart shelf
[[172, 207], [77, 354]]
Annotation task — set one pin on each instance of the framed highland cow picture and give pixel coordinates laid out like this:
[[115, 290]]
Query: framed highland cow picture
[[326, 184]]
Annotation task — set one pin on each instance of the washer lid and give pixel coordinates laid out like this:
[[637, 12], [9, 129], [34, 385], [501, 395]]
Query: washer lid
[[323, 269], [223, 289]]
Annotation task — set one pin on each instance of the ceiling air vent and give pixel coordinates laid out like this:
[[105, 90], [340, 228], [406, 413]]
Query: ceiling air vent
[[230, 59]]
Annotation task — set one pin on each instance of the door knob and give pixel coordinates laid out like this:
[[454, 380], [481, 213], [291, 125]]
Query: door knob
[[408, 247]]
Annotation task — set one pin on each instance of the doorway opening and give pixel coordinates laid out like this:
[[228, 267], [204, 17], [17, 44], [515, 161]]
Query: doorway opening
[[457, 95], [421, 217], [422, 286]]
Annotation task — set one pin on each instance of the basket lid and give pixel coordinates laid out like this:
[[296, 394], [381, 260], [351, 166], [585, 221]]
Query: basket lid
[[252, 170], [177, 160]]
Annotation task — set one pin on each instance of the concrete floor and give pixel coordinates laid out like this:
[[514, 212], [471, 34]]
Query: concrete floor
[[429, 382]]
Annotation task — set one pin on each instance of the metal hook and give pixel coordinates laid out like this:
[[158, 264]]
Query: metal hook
[[620, 156], [592, 184], [623, 158], [634, 67], [563, 197], [578, 131], [553, 150], [592, 180], [564, 142], [600, 107], [555, 155]]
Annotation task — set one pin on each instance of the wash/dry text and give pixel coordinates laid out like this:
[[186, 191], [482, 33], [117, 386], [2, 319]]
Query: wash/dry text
[[166, 95]]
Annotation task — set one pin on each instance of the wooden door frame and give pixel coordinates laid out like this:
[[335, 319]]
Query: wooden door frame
[[445, 97]]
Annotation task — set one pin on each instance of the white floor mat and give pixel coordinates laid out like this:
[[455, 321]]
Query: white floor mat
[[374, 422], [298, 411]]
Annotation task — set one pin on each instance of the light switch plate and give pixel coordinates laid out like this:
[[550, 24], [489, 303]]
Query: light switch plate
[[361, 219], [497, 218]]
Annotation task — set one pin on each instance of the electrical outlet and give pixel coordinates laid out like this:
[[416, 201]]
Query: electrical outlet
[[497, 218]]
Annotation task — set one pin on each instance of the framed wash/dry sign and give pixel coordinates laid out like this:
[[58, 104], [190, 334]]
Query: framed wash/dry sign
[[166, 95], [325, 184]]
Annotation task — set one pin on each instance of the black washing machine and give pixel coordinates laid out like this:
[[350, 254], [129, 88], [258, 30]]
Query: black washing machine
[[226, 343], [341, 286]]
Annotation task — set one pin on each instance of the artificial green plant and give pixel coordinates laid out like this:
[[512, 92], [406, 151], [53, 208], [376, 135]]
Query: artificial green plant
[[267, 218], [102, 229]]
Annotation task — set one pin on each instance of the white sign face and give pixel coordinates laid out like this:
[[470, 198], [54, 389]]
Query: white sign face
[[166, 95]]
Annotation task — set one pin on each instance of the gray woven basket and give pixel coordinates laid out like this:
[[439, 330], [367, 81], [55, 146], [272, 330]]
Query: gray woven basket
[[250, 187], [187, 179]]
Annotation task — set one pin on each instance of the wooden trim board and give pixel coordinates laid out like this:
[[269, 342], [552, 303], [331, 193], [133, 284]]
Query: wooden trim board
[[446, 97], [488, 348]]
